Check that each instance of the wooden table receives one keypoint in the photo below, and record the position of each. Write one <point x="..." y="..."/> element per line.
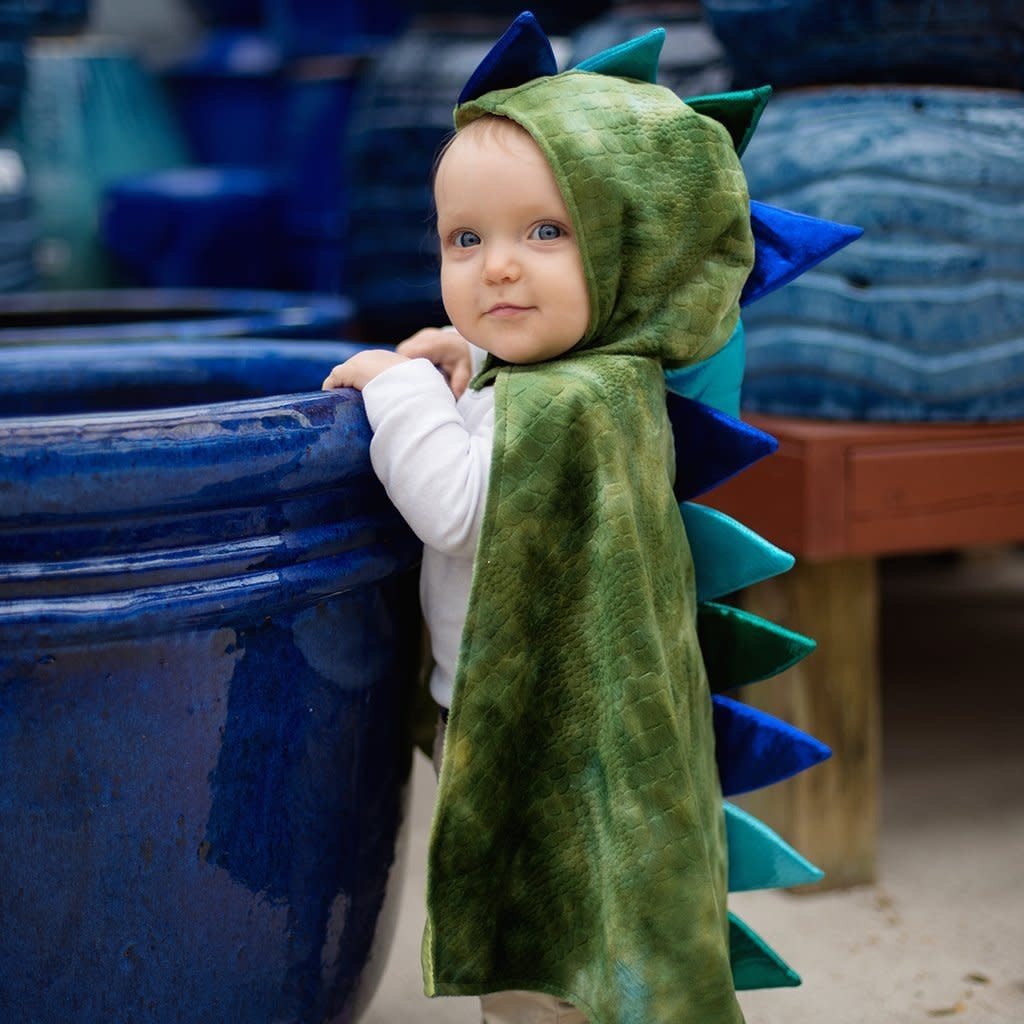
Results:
<point x="839" y="495"/>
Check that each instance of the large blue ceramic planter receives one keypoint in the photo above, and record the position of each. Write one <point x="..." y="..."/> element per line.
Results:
<point x="138" y="314"/>
<point x="207" y="626"/>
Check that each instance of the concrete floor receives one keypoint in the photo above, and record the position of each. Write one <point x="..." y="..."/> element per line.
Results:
<point x="942" y="934"/>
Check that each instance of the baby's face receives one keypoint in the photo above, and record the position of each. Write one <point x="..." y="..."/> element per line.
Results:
<point x="511" y="274"/>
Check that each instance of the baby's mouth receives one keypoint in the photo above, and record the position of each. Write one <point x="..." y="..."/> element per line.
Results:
<point x="505" y="309"/>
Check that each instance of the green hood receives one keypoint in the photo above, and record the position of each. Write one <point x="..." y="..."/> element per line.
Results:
<point x="662" y="215"/>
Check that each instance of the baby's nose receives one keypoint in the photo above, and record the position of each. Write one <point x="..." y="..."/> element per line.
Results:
<point x="501" y="263"/>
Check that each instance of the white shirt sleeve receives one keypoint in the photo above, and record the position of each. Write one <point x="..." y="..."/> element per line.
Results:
<point x="432" y="463"/>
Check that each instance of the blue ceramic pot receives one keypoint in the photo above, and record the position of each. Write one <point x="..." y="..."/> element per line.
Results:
<point x="208" y="623"/>
<point x="789" y="43"/>
<point x="229" y="96"/>
<point x="922" y="318"/>
<point x="197" y="227"/>
<point x="14" y="27"/>
<point x="159" y="314"/>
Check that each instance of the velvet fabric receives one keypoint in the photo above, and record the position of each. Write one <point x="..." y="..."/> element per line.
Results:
<point x="755" y="750"/>
<point x="578" y="845"/>
<point x="716" y="448"/>
<point x="755" y="963"/>
<point x="760" y="858"/>
<point x="741" y="648"/>
<point x="728" y="556"/>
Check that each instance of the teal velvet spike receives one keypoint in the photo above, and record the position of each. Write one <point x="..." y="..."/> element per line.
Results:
<point x="741" y="648"/>
<point x="788" y="244"/>
<point x="521" y="54"/>
<point x="728" y="556"/>
<point x="760" y="858"/>
<point x="714" y="381"/>
<point x="710" y="446"/>
<point x="739" y="112"/>
<point x="754" y="749"/>
<point x="635" y="58"/>
<point x="754" y="963"/>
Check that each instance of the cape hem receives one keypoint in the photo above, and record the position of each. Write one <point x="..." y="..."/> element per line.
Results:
<point x="468" y="988"/>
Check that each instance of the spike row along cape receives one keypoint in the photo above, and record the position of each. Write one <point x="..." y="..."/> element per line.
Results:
<point x="579" y="843"/>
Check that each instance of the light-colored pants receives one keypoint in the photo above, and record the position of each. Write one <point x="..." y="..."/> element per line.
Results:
<point x="528" y="1008"/>
<point x="516" y="1007"/>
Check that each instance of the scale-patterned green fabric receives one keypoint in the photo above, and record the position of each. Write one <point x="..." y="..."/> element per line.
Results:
<point x="578" y="845"/>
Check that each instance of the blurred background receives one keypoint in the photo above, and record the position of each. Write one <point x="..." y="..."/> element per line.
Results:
<point x="279" y="151"/>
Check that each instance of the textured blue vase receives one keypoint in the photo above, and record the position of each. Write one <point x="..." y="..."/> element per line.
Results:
<point x="136" y="314"/>
<point x="208" y="625"/>
<point x="922" y="319"/>
<point x="789" y="43"/>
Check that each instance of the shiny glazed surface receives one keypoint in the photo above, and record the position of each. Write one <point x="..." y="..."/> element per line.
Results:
<point x="208" y="622"/>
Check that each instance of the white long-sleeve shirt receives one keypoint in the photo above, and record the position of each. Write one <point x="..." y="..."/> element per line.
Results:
<point x="433" y="456"/>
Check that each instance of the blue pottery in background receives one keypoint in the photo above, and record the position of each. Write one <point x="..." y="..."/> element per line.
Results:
<point x="17" y="225"/>
<point x="198" y="227"/>
<point x="58" y="17"/>
<point x="313" y="27"/>
<point x="692" y="61"/>
<point x="242" y="13"/>
<point x="14" y="27"/>
<point x="922" y="319"/>
<point x="229" y="96"/>
<point x="160" y="314"/>
<point x="208" y="626"/>
<point x="90" y="115"/>
<point x="315" y="172"/>
<point x="790" y="43"/>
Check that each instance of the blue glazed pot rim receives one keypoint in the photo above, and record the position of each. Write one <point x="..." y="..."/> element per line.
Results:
<point x="217" y="312"/>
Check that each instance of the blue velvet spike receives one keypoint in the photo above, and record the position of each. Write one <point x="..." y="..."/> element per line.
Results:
<point x="715" y="381"/>
<point x="754" y="750"/>
<point x="711" y="447"/>
<point x="521" y="54"/>
<point x="727" y="555"/>
<point x="741" y="648"/>
<point x="737" y="112"/>
<point x="754" y="963"/>
<point x="635" y="58"/>
<point x="760" y="858"/>
<point x="787" y="244"/>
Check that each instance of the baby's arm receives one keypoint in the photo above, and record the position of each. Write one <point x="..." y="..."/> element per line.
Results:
<point x="432" y="466"/>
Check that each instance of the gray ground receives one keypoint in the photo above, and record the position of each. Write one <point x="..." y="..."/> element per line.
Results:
<point x="942" y="934"/>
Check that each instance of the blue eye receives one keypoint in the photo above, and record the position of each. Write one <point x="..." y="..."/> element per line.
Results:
<point x="547" y="232"/>
<point x="465" y="239"/>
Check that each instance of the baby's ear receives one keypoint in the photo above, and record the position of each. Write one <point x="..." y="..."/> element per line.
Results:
<point x="520" y="55"/>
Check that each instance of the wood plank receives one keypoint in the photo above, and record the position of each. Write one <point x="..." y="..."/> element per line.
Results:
<point x="829" y="813"/>
<point x="836" y="489"/>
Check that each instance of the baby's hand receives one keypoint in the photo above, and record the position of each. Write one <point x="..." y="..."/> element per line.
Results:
<point x="446" y="349"/>
<point x="358" y="371"/>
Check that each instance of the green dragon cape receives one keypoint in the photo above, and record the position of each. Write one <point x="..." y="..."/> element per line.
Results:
<point x="578" y="844"/>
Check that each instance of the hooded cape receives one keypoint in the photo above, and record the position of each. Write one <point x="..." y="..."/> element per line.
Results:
<point x="578" y="845"/>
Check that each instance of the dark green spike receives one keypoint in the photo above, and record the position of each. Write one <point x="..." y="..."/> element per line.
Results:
<point x="635" y="58"/>
<point x="754" y="963"/>
<point x="741" y="648"/>
<point x="739" y="112"/>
